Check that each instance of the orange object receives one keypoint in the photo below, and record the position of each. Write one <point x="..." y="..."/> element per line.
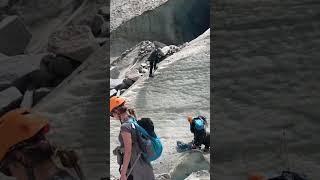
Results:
<point x="190" y="119"/>
<point x="116" y="101"/>
<point x="19" y="125"/>
<point x="256" y="177"/>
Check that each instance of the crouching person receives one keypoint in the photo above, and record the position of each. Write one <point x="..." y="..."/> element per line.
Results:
<point x="201" y="136"/>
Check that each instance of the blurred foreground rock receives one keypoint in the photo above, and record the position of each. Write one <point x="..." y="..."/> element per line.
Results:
<point x="75" y="42"/>
<point x="14" y="36"/>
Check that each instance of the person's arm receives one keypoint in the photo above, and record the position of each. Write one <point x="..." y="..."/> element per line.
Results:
<point x="126" y="136"/>
<point x="192" y="126"/>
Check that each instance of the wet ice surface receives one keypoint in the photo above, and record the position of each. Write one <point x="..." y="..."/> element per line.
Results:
<point x="180" y="88"/>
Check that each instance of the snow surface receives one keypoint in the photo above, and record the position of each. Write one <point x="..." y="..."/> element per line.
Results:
<point x="181" y="87"/>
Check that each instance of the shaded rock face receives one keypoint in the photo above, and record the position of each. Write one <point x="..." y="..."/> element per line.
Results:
<point x="75" y="42"/>
<point x="174" y="22"/>
<point x="96" y="24"/>
<point x="76" y="108"/>
<point x="122" y="11"/>
<point x="14" y="36"/>
<point x="9" y="98"/>
<point x="39" y="94"/>
<point x="266" y="78"/>
<point x="13" y="68"/>
<point x="33" y="11"/>
<point x="58" y="65"/>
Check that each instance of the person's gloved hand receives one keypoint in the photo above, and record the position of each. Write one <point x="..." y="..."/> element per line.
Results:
<point x="194" y="146"/>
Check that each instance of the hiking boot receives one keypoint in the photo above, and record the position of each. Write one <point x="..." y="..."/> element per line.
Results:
<point x="150" y="75"/>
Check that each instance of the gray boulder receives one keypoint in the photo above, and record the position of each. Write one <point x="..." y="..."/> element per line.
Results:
<point x="58" y="65"/>
<point x="105" y="29"/>
<point x="104" y="11"/>
<point x="39" y="94"/>
<point x="113" y="92"/>
<point x="9" y="98"/>
<point x="96" y="24"/>
<point x="128" y="82"/>
<point x="4" y="4"/>
<point x="134" y="75"/>
<point x="2" y="55"/>
<point x="75" y="42"/>
<point x="115" y="83"/>
<point x="14" y="36"/>
<point x="27" y="100"/>
<point x="114" y="72"/>
<point x="15" y="67"/>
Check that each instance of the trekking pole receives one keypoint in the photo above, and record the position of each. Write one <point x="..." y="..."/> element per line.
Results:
<point x="135" y="162"/>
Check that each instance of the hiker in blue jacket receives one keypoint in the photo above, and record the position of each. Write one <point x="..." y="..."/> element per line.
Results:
<point x="198" y="128"/>
<point x="133" y="166"/>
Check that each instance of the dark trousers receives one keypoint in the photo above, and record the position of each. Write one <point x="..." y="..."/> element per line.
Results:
<point x="199" y="137"/>
<point x="153" y="65"/>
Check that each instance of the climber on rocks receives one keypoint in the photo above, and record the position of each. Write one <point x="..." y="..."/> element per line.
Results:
<point x="198" y="128"/>
<point x="155" y="57"/>
<point x="25" y="152"/>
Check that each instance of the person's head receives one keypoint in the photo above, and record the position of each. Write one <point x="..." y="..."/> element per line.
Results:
<point x="117" y="107"/>
<point x="189" y="118"/>
<point x="159" y="52"/>
<point x="23" y="145"/>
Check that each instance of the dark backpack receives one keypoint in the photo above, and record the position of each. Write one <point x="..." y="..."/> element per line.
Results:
<point x="147" y="124"/>
<point x="148" y="141"/>
<point x="199" y="123"/>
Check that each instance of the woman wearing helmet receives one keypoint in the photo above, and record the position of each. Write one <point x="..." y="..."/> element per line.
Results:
<point x="133" y="166"/>
<point x="25" y="153"/>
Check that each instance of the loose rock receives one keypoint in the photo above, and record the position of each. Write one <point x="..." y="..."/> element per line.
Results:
<point x="14" y="36"/>
<point x="16" y="67"/>
<point x="58" y="65"/>
<point x="75" y="42"/>
<point x="96" y="24"/>
<point x="39" y="94"/>
<point x="9" y="98"/>
<point x="27" y="100"/>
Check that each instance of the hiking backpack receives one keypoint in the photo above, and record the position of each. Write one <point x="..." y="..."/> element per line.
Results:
<point x="148" y="141"/>
<point x="199" y="123"/>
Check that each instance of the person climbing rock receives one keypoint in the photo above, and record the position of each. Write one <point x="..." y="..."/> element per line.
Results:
<point x="154" y="58"/>
<point x="132" y="165"/>
<point x="198" y="128"/>
<point x="285" y="175"/>
<point x="25" y="152"/>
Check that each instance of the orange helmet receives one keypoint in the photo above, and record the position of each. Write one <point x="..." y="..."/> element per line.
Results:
<point x="18" y="125"/>
<point x="116" y="101"/>
<point x="189" y="119"/>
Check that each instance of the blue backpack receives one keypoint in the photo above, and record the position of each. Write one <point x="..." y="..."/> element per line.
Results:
<point x="199" y="123"/>
<point x="148" y="141"/>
